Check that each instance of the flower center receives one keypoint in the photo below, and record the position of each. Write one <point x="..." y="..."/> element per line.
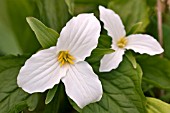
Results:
<point x="122" y="42"/>
<point x="64" y="57"/>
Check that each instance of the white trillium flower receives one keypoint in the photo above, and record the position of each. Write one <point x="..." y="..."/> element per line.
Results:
<point x="65" y="62"/>
<point x="141" y="43"/>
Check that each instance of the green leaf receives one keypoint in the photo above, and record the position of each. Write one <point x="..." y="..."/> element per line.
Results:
<point x="19" y="107"/>
<point x="32" y="102"/>
<point x="70" y="4"/>
<point x="131" y="58"/>
<point x="12" y="98"/>
<point x="102" y="51"/>
<point x="135" y="28"/>
<point x="53" y="13"/>
<point x="122" y="91"/>
<point x="46" y="36"/>
<point x="60" y="103"/>
<point x="74" y="105"/>
<point x="157" y="106"/>
<point x="51" y="94"/>
<point x="155" y="70"/>
<point x="104" y="42"/>
<point x="98" y="53"/>
<point x="131" y="12"/>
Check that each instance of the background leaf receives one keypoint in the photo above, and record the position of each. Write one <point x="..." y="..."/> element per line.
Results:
<point x="131" y="58"/>
<point x="50" y="95"/>
<point x="157" y="106"/>
<point x="155" y="70"/>
<point x="53" y="13"/>
<point x="98" y="53"/>
<point x="70" y="4"/>
<point x="46" y="36"/>
<point x="12" y="98"/>
<point x="60" y="103"/>
<point x="135" y="28"/>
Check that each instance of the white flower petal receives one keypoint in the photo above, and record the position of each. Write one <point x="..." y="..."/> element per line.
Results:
<point x="112" y="23"/>
<point x="40" y="72"/>
<point x="80" y="36"/>
<point x="144" y="44"/>
<point x="82" y="84"/>
<point x="111" y="61"/>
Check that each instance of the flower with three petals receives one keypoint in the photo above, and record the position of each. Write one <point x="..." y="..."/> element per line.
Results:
<point x="141" y="43"/>
<point x="66" y="62"/>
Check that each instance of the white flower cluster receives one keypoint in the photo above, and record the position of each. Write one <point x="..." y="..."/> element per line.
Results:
<point x="66" y="60"/>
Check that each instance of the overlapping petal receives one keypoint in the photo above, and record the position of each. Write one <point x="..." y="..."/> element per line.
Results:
<point x="80" y="36"/>
<point x="82" y="84"/>
<point x="40" y="72"/>
<point x="111" y="61"/>
<point x="112" y="23"/>
<point x="144" y="44"/>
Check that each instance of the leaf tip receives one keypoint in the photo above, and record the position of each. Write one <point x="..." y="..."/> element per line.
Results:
<point x="28" y="18"/>
<point x="47" y="101"/>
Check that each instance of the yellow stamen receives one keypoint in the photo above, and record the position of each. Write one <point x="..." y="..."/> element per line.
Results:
<point x="60" y="60"/>
<point x="60" y="55"/>
<point x="122" y="42"/>
<point x="62" y="63"/>
<point x="70" y="61"/>
<point x="71" y="57"/>
<point x="64" y="57"/>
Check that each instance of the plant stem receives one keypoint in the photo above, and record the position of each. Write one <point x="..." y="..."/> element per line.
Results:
<point x="159" y="16"/>
<point x="160" y="32"/>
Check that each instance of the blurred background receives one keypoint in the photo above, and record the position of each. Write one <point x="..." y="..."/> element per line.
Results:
<point x="16" y="37"/>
